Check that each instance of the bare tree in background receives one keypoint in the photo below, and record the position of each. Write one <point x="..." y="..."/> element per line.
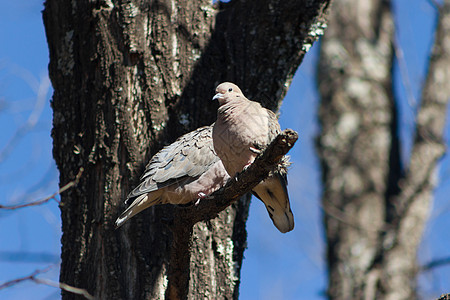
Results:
<point x="131" y="76"/>
<point x="375" y="209"/>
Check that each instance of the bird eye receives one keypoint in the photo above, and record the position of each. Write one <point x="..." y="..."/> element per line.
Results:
<point x="230" y="89"/>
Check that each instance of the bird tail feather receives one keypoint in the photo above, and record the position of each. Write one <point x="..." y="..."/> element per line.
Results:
<point x="139" y="204"/>
<point x="273" y="193"/>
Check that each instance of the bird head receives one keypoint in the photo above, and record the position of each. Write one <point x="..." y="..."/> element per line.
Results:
<point x="226" y="92"/>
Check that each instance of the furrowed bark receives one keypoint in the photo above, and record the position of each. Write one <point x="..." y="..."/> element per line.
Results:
<point x="412" y="206"/>
<point x="374" y="210"/>
<point x="358" y="143"/>
<point x="130" y="77"/>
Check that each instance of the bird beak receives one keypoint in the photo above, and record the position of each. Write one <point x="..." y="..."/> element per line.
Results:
<point x="217" y="96"/>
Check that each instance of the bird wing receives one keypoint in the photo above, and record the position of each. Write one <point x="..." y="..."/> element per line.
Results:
<point x="273" y="193"/>
<point x="274" y="126"/>
<point x="188" y="157"/>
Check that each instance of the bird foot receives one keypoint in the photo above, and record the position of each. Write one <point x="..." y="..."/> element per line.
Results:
<point x="254" y="150"/>
<point x="246" y="166"/>
<point x="201" y="196"/>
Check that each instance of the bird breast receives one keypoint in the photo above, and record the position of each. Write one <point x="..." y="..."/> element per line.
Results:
<point x="237" y="129"/>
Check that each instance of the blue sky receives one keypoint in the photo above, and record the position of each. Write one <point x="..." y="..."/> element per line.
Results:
<point x="276" y="266"/>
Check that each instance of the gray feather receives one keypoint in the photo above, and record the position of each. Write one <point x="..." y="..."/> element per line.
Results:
<point x="187" y="158"/>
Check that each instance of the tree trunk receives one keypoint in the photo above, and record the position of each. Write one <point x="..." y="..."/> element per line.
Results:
<point x="130" y="77"/>
<point x="374" y="210"/>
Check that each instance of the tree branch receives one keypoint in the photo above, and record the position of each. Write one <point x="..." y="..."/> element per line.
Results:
<point x="413" y="204"/>
<point x="245" y="181"/>
<point x="428" y="147"/>
<point x="193" y="46"/>
<point x="436" y="263"/>
<point x="61" y="285"/>
<point x="51" y="197"/>
<point x="236" y="187"/>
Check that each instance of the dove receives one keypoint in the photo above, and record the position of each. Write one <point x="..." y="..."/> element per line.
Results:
<point x="242" y="130"/>
<point x="183" y="172"/>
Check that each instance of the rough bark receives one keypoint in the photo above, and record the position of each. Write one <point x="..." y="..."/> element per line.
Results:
<point x="358" y="140"/>
<point x="131" y="76"/>
<point x="444" y="297"/>
<point x="410" y="209"/>
<point x="374" y="210"/>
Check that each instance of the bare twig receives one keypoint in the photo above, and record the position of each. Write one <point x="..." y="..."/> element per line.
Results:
<point x="29" y="277"/>
<point x="51" y="197"/>
<point x="33" y="277"/>
<point x="436" y="263"/>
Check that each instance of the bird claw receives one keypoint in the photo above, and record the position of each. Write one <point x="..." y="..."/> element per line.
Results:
<point x="254" y="150"/>
<point x="201" y="196"/>
<point x="246" y="166"/>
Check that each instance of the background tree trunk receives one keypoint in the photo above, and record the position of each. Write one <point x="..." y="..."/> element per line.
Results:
<point x="374" y="209"/>
<point x="130" y="77"/>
